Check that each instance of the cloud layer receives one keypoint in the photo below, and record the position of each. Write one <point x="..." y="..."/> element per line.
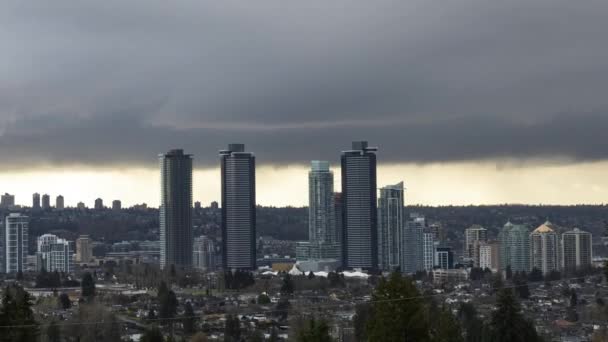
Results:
<point x="116" y="82"/>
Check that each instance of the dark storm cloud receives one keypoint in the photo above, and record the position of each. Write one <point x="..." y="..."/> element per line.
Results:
<point x="116" y="82"/>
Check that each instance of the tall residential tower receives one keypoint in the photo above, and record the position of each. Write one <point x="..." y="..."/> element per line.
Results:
<point x="176" y="209"/>
<point x="322" y="232"/>
<point x="238" y="208"/>
<point x="390" y="226"/>
<point x="360" y="242"/>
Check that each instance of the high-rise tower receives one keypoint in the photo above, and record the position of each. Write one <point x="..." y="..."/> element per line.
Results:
<point x="15" y="242"/>
<point x="360" y="242"/>
<point x="515" y="248"/>
<point x="36" y="201"/>
<point x="176" y="209"/>
<point x="46" y="202"/>
<point x="544" y="249"/>
<point x="322" y="233"/>
<point x="390" y="226"/>
<point x="59" y="202"/>
<point x="238" y="208"/>
<point x="577" y="250"/>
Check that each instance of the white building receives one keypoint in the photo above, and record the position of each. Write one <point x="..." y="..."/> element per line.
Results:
<point x="15" y="242"/>
<point x="485" y="256"/>
<point x="428" y="250"/>
<point x="203" y="254"/>
<point x="55" y="254"/>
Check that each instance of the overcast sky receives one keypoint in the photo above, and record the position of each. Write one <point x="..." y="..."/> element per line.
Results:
<point x="113" y="83"/>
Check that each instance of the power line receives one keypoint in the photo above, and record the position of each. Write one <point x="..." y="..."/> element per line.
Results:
<point x="149" y="320"/>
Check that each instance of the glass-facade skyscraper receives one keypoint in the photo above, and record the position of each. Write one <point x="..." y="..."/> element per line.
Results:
<point x="238" y="208"/>
<point x="359" y="201"/>
<point x="390" y="226"/>
<point x="515" y="248"/>
<point x="176" y="209"/>
<point x="322" y="229"/>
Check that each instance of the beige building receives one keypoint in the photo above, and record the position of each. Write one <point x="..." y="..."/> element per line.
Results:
<point x="544" y="249"/>
<point x="84" y="249"/>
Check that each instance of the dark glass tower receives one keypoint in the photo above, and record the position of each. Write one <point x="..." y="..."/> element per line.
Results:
<point x="238" y="208"/>
<point x="176" y="209"/>
<point x="360" y="242"/>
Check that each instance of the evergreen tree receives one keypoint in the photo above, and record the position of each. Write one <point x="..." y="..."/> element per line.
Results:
<point x="64" y="301"/>
<point x="199" y="337"/>
<point x="311" y="275"/>
<point x="17" y="310"/>
<point x="53" y="333"/>
<point x="446" y="328"/>
<point x="472" y="325"/>
<point x="189" y="319"/>
<point x="168" y="302"/>
<point x="232" y="329"/>
<point x="508" y="324"/>
<point x="315" y="331"/>
<point x="362" y="312"/>
<point x="521" y="285"/>
<point x="151" y="315"/>
<point x="88" y="285"/>
<point x="397" y="313"/>
<point x="274" y="336"/>
<point x="256" y="336"/>
<point x="288" y="286"/>
<point x="263" y="299"/>
<point x="152" y="335"/>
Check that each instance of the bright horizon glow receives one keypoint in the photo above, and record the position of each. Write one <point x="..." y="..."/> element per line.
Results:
<point x="466" y="183"/>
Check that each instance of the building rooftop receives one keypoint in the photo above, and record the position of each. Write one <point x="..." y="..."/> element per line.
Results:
<point x="544" y="228"/>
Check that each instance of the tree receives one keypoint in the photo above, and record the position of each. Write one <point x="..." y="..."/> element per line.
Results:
<point x="288" y="286"/>
<point x="507" y="323"/>
<point x="64" y="301"/>
<point x="189" y="319"/>
<point x="311" y="275"/>
<point x="521" y="285"/>
<point x="473" y="326"/>
<point x="282" y="309"/>
<point x="152" y="335"/>
<point x="263" y="299"/>
<point x="256" y="336"/>
<point x="315" y="331"/>
<point x="199" y="337"/>
<point x="17" y="310"/>
<point x="168" y="302"/>
<point x="88" y="285"/>
<point x="335" y="279"/>
<point x="151" y="315"/>
<point x="52" y="332"/>
<point x="274" y="336"/>
<point x="397" y="312"/>
<point x="362" y="313"/>
<point x="446" y="328"/>
<point x="232" y="329"/>
<point x="573" y="299"/>
<point x="509" y="272"/>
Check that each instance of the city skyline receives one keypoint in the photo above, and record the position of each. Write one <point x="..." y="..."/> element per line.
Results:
<point x="429" y="184"/>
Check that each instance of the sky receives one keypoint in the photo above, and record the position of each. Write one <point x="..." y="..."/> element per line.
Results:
<point x="468" y="101"/>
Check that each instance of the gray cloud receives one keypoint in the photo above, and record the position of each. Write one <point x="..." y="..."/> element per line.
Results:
<point x="116" y="82"/>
